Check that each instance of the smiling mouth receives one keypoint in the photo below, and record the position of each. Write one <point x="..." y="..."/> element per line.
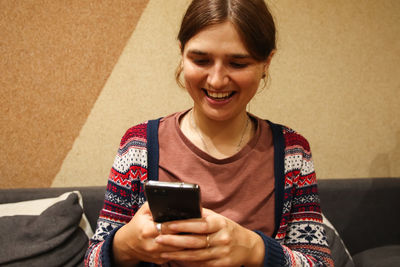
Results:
<point x="218" y="95"/>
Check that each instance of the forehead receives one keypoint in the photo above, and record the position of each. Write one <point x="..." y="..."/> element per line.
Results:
<point x="221" y="38"/>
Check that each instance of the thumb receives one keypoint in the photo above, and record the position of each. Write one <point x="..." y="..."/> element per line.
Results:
<point x="207" y="212"/>
<point x="144" y="209"/>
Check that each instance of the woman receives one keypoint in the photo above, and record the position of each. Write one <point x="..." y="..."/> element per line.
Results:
<point x="259" y="195"/>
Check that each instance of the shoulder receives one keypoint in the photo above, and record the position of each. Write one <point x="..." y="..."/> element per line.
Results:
<point x="298" y="163"/>
<point x="140" y="131"/>
<point x="293" y="139"/>
<point x="137" y="132"/>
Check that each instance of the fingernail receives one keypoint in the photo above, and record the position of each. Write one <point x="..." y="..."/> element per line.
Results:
<point x="158" y="239"/>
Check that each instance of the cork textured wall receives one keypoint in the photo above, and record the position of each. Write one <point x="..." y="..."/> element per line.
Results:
<point x="76" y="74"/>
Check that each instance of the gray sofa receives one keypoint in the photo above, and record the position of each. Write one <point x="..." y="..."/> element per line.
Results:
<point x="365" y="213"/>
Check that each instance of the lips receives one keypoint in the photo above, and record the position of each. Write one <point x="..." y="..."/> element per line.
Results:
<point x="219" y="96"/>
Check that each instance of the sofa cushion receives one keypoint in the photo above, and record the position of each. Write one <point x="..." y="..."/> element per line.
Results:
<point x="45" y="232"/>
<point x="340" y="254"/>
<point x="363" y="211"/>
<point x="378" y="257"/>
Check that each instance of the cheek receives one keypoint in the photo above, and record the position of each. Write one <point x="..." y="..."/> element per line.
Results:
<point x="247" y="81"/>
<point x="192" y="74"/>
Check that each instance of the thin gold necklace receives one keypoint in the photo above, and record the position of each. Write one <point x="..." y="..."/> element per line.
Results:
<point x="194" y="126"/>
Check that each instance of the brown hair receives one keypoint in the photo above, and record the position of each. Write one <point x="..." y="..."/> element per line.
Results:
<point x="251" y="19"/>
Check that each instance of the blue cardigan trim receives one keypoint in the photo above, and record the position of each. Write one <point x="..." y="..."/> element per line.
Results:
<point x="152" y="149"/>
<point x="279" y="171"/>
<point x="106" y="250"/>
<point x="274" y="256"/>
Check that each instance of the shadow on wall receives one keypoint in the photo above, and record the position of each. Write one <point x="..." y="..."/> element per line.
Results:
<point x="387" y="164"/>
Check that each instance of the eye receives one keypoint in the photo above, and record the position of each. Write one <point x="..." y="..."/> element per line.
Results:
<point x="201" y="62"/>
<point x="237" y="65"/>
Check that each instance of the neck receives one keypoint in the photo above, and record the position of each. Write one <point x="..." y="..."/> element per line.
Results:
<point x="220" y="139"/>
<point x="225" y="129"/>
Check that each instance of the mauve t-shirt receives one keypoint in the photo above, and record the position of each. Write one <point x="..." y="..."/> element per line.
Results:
<point x="240" y="187"/>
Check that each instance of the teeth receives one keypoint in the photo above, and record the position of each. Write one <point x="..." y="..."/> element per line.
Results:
<point x="219" y="94"/>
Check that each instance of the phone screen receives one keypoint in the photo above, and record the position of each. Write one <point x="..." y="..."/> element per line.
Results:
<point x="170" y="201"/>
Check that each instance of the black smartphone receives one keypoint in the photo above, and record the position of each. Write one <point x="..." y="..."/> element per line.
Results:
<point x="170" y="201"/>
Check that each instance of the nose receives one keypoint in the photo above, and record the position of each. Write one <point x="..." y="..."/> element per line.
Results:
<point x="218" y="77"/>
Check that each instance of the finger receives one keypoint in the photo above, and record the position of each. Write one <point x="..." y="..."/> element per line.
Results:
<point x="164" y="229"/>
<point x="192" y="255"/>
<point x="148" y="228"/>
<point x="195" y="226"/>
<point x="210" y="224"/>
<point x="184" y="241"/>
<point x="217" y="262"/>
<point x="151" y="247"/>
<point x="153" y="253"/>
<point x="158" y="227"/>
<point x="160" y="248"/>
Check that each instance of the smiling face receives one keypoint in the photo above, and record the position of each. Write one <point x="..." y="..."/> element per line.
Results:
<point x="220" y="75"/>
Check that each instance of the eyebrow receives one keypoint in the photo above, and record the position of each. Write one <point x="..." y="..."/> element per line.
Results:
<point x="202" y="53"/>
<point x="197" y="52"/>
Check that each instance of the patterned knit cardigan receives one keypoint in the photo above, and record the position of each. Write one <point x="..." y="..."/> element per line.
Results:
<point x="299" y="238"/>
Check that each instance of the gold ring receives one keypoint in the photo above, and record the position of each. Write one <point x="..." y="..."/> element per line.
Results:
<point x="208" y="241"/>
<point x="159" y="226"/>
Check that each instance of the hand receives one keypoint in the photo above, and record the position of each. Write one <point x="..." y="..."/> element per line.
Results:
<point x="135" y="241"/>
<point x="214" y="241"/>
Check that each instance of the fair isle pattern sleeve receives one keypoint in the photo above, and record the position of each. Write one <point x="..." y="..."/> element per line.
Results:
<point x="301" y="232"/>
<point x="124" y="194"/>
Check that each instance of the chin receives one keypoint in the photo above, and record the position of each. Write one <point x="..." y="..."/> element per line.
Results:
<point x="220" y="115"/>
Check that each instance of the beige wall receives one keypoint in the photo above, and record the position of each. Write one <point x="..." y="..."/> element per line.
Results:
<point x="75" y="76"/>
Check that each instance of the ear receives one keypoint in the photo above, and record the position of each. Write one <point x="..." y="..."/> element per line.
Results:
<point x="180" y="48"/>
<point x="268" y="61"/>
